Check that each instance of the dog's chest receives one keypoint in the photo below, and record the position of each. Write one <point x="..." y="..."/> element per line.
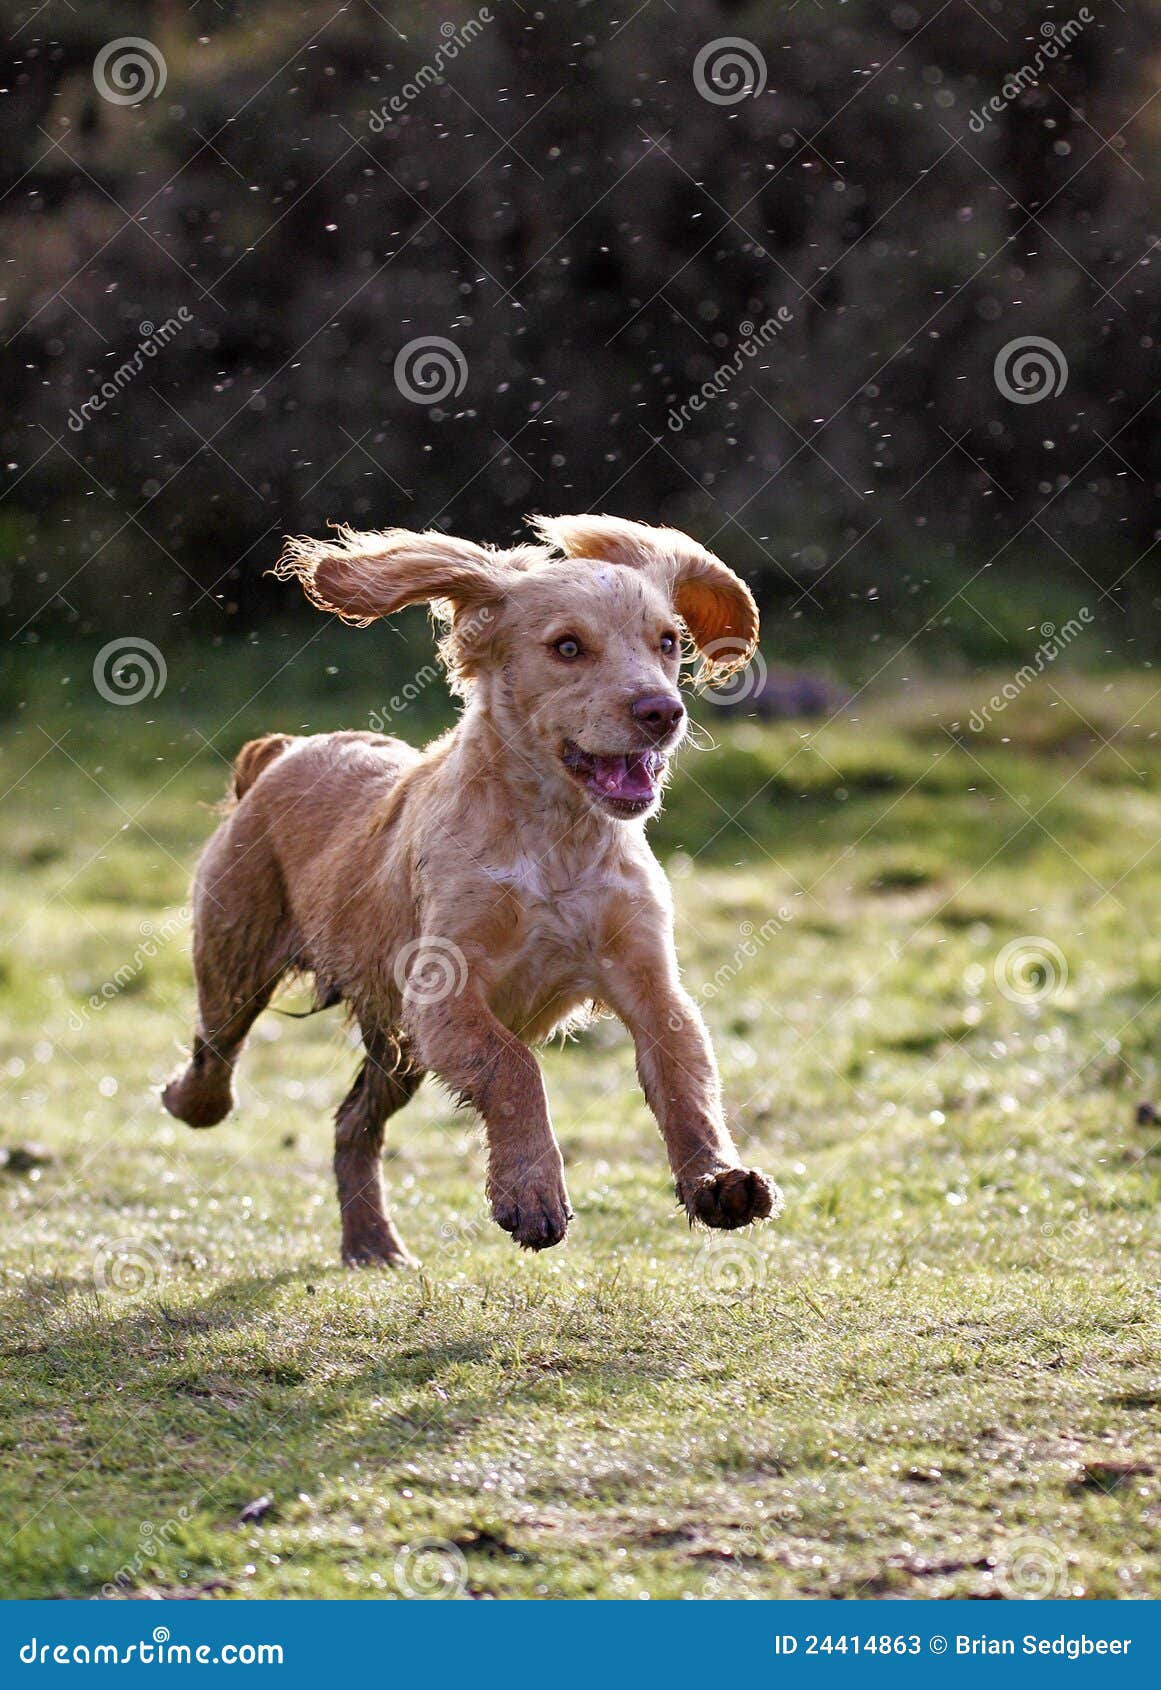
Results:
<point x="562" y="904"/>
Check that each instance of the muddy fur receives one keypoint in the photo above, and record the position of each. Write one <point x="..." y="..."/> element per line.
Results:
<point x="469" y="900"/>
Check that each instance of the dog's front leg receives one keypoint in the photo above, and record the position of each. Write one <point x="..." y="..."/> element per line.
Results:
<point x="679" y="1076"/>
<point x="473" y="1053"/>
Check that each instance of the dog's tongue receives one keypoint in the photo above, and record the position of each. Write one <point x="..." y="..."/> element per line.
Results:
<point x="624" y="777"/>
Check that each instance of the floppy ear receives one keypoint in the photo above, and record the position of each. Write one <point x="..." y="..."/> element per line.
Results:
<point x="715" y="604"/>
<point x="364" y="576"/>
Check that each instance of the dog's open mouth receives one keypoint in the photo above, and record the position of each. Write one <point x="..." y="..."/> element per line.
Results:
<point x="624" y="783"/>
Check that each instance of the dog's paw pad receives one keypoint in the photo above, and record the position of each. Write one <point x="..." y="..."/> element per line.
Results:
<point x="733" y="1198"/>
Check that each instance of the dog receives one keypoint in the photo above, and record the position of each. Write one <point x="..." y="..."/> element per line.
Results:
<point x="469" y="900"/>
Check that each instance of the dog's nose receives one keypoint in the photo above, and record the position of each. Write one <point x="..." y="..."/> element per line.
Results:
<point x="660" y="712"/>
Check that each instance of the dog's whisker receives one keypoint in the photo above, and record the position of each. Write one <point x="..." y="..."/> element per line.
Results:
<point x="699" y="737"/>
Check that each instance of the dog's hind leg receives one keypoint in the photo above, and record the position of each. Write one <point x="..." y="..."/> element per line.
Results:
<point x="243" y="945"/>
<point x="384" y="1084"/>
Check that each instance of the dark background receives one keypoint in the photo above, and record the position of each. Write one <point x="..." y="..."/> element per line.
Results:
<point x="591" y="233"/>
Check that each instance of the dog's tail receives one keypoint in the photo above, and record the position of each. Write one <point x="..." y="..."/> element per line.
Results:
<point x="254" y="757"/>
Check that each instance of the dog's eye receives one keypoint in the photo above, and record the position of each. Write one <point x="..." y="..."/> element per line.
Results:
<point x="668" y="643"/>
<point x="569" y="647"/>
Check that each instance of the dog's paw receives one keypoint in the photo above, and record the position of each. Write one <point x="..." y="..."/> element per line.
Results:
<point x="536" y="1219"/>
<point x="199" y="1096"/>
<point x="734" y="1197"/>
<point x="368" y="1253"/>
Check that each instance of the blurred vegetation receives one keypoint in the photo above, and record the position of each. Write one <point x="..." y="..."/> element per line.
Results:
<point x="592" y="234"/>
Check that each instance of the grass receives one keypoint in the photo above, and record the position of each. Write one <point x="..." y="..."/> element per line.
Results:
<point x="937" y="1375"/>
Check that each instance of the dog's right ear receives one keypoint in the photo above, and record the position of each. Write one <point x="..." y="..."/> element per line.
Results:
<point x="364" y="576"/>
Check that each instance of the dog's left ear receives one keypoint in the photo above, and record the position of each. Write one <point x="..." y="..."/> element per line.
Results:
<point x="715" y="604"/>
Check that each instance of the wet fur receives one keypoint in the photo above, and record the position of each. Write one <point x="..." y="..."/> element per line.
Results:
<point x="469" y="900"/>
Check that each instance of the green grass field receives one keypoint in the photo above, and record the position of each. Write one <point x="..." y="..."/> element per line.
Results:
<point x="937" y="1375"/>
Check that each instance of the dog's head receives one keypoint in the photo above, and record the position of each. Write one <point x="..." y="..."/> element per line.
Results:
<point x="573" y="647"/>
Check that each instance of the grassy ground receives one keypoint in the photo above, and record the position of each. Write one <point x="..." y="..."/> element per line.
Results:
<point x="938" y="1375"/>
